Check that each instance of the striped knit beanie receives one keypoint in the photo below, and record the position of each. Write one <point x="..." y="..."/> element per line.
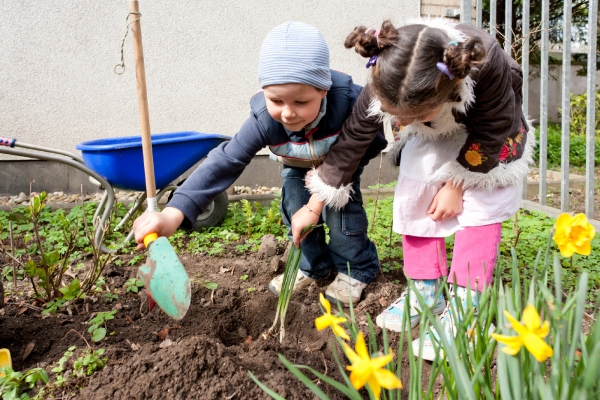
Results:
<point x="294" y="52"/>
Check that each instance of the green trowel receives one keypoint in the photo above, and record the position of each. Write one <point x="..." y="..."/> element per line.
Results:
<point x="163" y="275"/>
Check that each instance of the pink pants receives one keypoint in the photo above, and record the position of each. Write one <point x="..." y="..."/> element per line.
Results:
<point x="473" y="260"/>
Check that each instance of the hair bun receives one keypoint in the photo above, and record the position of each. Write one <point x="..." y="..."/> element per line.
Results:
<point x="462" y="57"/>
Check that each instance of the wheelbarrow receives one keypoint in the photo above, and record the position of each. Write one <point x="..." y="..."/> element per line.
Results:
<point x="118" y="163"/>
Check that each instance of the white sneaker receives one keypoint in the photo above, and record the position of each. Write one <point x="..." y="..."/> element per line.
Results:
<point x="449" y="321"/>
<point x="392" y="316"/>
<point x="302" y="281"/>
<point x="344" y="289"/>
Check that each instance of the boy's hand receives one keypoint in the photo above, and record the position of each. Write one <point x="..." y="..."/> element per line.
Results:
<point x="304" y="217"/>
<point x="163" y="223"/>
<point x="447" y="203"/>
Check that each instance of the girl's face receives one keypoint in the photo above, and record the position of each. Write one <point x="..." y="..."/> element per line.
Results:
<point x="407" y="117"/>
<point x="294" y="105"/>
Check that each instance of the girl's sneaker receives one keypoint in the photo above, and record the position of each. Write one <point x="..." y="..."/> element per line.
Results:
<point x="302" y="281"/>
<point x="448" y="322"/>
<point x="392" y="317"/>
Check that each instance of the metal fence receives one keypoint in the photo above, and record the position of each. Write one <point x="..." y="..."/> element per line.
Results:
<point x="544" y="45"/>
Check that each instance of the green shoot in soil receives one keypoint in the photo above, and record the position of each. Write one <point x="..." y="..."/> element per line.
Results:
<point x="289" y="277"/>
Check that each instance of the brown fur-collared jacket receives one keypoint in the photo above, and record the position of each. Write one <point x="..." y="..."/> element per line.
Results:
<point x="497" y="149"/>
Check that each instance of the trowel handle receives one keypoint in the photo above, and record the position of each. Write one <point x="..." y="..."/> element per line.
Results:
<point x="140" y="73"/>
<point x="149" y="238"/>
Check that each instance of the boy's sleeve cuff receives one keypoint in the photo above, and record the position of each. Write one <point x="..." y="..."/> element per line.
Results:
<point x="189" y="209"/>
<point x="333" y="197"/>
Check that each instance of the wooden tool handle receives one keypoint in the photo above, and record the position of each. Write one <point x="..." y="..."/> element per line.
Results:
<point x="142" y="95"/>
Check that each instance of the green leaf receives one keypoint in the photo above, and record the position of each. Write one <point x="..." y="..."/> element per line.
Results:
<point x="99" y="334"/>
<point x="51" y="258"/>
<point x="265" y="388"/>
<point x="72" y="291"/>
<point x="211" y="285"/>
<point x="303" y="378"/>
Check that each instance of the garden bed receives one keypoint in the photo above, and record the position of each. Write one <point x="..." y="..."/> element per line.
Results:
<point x="212" y="348"/>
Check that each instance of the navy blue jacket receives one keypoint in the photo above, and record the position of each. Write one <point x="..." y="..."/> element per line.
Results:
<point x="225" y="163"/>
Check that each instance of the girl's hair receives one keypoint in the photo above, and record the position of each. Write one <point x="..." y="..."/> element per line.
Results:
<point x="405" y="74"/>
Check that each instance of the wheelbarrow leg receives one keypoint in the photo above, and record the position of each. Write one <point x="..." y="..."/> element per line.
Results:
<point x="133" y="209"/>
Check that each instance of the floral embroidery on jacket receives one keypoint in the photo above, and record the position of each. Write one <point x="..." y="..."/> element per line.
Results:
<point x="474" y="155"/>
<point x="509" y="148"/>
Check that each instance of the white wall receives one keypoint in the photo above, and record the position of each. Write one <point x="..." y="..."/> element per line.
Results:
<point x="58" y="88"/>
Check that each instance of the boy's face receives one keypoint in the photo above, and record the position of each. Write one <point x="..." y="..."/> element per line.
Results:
<point x="294" y="105"/>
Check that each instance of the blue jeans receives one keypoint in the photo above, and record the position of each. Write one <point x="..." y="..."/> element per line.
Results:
<point x="348" y="241"/>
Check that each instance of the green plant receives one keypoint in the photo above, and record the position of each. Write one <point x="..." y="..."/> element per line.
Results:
<point x="577" y="148"/>
<point x="242" y="248"/>
<point x="211" y="285"/>
<point x="110" y="297"/>
<point x="567" y="367"/>
<point x="89" y="362"/>
<point x="251" y="289"/>
<point x="578" y="113"/>
<point x="13" y="382"/>
<point x="248" y="214"/>
<point x="60" y="367"/>
<point x="73" y="291"/>
<point x="96" y="329"/>
<point x="136" y="260"/>
<point x="133" y="285"/>
<point x="53" y="240"/>
<point x="244" y="277"/>
<point x="289" y="277"/>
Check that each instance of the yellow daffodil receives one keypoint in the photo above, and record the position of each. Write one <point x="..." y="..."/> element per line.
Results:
<point x="327" y="320"/>
<point x="530" y="335"/>
<point x="573" y="234"/>
<point x="366" y="370"/>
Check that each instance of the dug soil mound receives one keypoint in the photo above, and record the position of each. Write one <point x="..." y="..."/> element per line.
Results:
<point x="208" y="353"/>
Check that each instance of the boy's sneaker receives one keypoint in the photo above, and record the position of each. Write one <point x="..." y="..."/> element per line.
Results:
<point x="302" y="281"/>
<point x="448" y="322"/>
<point x="344" y="289"/>
<point x="392" y="316"/>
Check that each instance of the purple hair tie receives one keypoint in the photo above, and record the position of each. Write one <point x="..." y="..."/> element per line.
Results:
<point x="445" y="70"/>
<point x="372" y="61"/>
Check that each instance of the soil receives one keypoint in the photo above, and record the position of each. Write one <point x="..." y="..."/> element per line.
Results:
<point x="209" y="352"/>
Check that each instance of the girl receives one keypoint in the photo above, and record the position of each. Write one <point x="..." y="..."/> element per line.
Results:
<point x="298" y="115"/>
<point x="463" y="150"/>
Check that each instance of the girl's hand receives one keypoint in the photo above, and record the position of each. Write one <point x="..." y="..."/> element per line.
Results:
<point x="306" y="215"/>
<point x="447" y="203"/>
<point x="163" y="223"/>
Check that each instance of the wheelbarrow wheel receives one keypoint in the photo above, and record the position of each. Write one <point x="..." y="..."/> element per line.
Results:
<point x="214" y="214"/>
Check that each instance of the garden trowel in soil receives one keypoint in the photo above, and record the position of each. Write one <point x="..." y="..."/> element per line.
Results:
<point x="5" y="360"/>
<point x="163" y="275"/>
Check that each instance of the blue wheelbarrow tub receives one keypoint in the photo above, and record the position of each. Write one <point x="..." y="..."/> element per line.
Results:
<point x="120" y="160"/>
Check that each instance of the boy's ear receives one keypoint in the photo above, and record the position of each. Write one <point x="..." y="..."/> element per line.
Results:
<point x="324" y="94"/>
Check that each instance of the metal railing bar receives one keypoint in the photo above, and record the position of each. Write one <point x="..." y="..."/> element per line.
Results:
<point x="508" y="27"/>
<point x="525" y="68"/>
<point x="493" y="18"/>
<point x="566" y="107"/>
<point x="543" y="145"/>
<point x="590" y="130"/>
